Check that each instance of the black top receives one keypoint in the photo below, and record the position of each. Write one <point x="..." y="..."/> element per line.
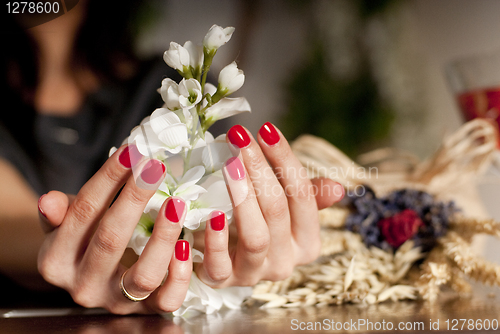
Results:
<point x="73" y="148"/>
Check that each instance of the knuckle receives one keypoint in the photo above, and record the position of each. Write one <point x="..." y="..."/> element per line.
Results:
<point x="278" y="210"/>
<point x="145" y="283"/>
<point x="302" y="192"/>
<point x="219" y="275"/>
<point x="50" y="271"/>
<point x="257" y="162"/>
<point x="108" y="241"/>
<point x="83" y="209"/>
<point x="136" y="197"/>
<point x="166" y="305"/>
<point x="117" y="308"/>
<point x="255" y="245"/>
<point x="166" y="234"/>
<point x="281" y="274"/>
<point x="114" y="175"/>
<point x="248" y="281"/>
<point x="181" y="280"/>
<point x="82" y="297"/>
<point x="311" y="253"/>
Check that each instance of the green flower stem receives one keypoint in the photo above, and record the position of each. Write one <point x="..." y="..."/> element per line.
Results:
<point x="207" y="62"/>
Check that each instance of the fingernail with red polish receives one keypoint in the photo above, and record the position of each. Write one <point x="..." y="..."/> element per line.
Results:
<point x="130" y="156"/>
<point x="235" y="168"/>
<point x="182" y="250"/>
<point x="40" y="207"/>
<point x="175" y="209"/>
<point x="269" y="134"/>
<point x="152" y="171"/>
<point x="217" y="220"/>
<point x="238" y="136"/>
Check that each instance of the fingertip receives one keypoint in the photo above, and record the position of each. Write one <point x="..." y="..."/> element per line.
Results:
<point x="328" y="192"/>
<point x="52" y="208"/>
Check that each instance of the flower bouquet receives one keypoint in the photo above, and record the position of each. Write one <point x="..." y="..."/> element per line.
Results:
<point x="177" y="134"/>
<point x="404" y="229"/>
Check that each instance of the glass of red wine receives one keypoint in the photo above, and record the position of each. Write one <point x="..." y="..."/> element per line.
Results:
<point x="475" y="81"/>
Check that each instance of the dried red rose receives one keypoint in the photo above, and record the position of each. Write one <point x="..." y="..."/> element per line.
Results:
<point x="400" y="227"/>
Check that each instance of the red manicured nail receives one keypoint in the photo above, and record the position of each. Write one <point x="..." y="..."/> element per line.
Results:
<point x="235" y="168"/>
<point x="238" y="136"/>
<point x="182" y="250"/>
<point x="217" y="220"/>
<point x="152" y="171"/>
<point x="175" y="209"/>
<point x="269" y="134"/>
<point x="40" y="207"/>
<point x="130" y="156"/>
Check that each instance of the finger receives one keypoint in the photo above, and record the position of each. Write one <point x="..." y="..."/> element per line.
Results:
<point x="52" y="208"/>
<point x="170" y="296"/>
<point x="116" y="228"/>
<point x="93" y="200"/>
<point x="327" y="192"/>
<point x="150" y="270"/>
<point x="252" y="231"/>
<point x="298" y="189"/>
<point x="216" y="267"/>
<point x="272" y="201"/>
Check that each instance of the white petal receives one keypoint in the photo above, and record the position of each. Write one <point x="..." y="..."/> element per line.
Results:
<point x="214" y="156"/>
<point x="232" y="297"/>
<point x="190" y="193"/>
<point x="227" y="107"/>
<point x="146" y="140"/>
<point x="210" y="89"/>
<point x="195" y="54"/>
<point x="170" y="93"/>
<point x="162" y="119"/>
<point x="192" y="176"/>
<point x="216" y="197"/>
<point x="174" y="137"/>
<point x="155" y="202"/>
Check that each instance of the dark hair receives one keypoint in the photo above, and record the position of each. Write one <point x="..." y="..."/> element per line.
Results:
<point x="104" y="42"/>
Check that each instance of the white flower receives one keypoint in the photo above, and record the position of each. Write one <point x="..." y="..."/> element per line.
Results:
<point x="177" y="57"/>
<point x="215" y="154"/>
<point x="159" y="133"/>
<point x="216" y="37"/>
<point x="216" y="198"/>
<point x="170" y="94"/>
<point x="189" y="93"/>
<point x="202" y="298"/>
<point x="186" y="188"/>
<point x="231" y="79"/>
<point x="226" y="107"/>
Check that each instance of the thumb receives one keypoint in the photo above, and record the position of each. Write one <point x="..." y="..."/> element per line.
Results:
<point x="52" y="208"/>
<point x="328" y="192"/>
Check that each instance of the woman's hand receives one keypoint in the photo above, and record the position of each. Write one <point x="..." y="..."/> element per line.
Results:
<point x="275" y="218"/>
<point x="275" y="213"/>
<point x="86" y="237"/>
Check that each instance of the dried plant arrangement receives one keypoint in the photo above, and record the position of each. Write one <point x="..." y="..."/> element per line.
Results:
<point x="402" y="233"/>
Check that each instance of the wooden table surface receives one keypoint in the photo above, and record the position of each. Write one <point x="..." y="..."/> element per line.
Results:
<point x="413" y="316"/>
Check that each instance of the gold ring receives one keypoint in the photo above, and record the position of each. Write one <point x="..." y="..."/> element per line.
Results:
<point x="128" y="295"/>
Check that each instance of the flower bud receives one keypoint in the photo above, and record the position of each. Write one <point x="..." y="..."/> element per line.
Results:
<point x="231" y="79"/>
<point x="195" y="55"/>
<point x="170" y="93"/>
<point x="217" y="37"/>
<point x="177" y="57"/>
